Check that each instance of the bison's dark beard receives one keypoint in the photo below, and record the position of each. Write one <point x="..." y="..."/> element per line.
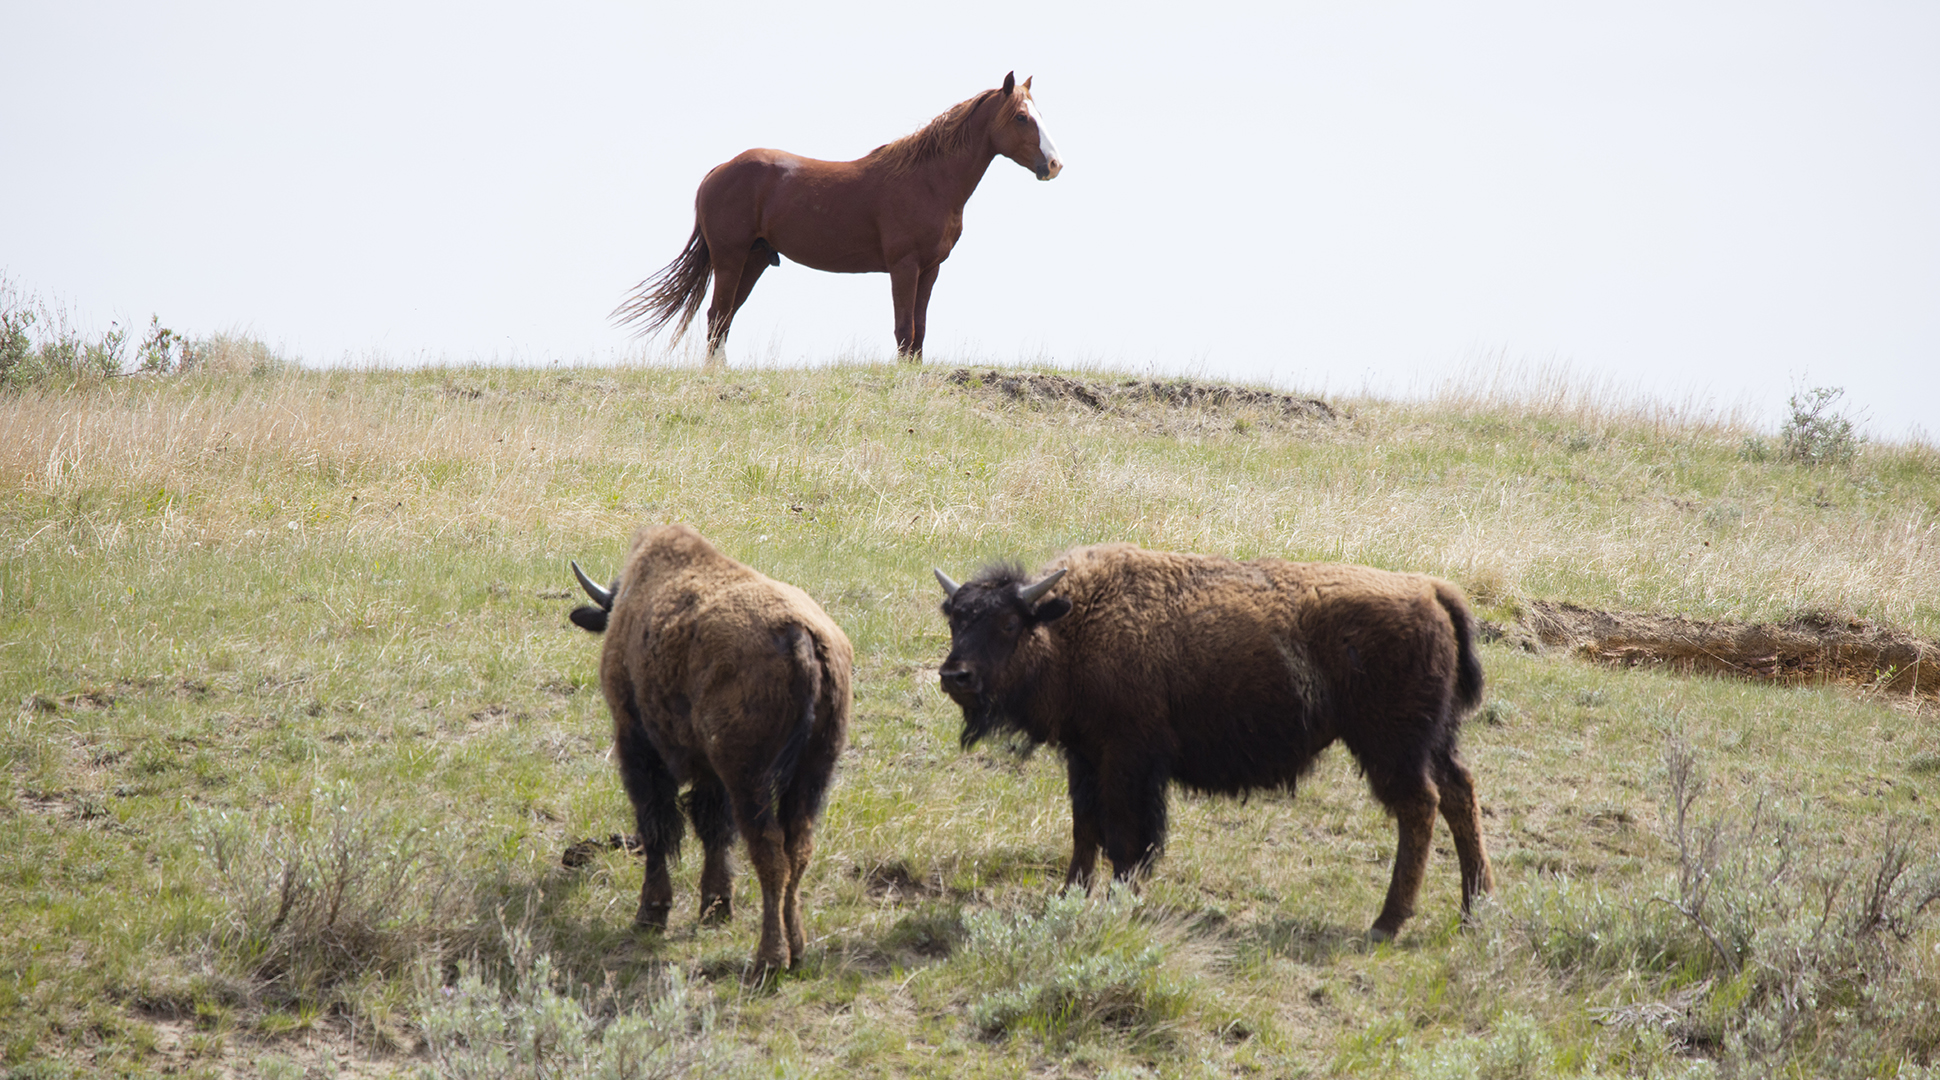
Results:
<point x="986" y="720"/>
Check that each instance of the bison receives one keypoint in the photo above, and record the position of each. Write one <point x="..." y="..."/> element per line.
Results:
<point x="1147" y="668"/>
<point x="737" y="686"/>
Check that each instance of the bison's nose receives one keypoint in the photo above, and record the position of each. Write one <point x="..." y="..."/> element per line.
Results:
<point x="957" y="679"/>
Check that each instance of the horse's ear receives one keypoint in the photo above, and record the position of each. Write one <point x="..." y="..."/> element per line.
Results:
<point x="1010" y="83"/>
<point x="1027" y="84"/>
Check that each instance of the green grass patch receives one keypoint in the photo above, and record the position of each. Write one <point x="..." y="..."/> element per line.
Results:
<point x="294" y="733"/>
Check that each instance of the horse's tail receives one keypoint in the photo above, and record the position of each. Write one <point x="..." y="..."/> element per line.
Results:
<point x="671" y="296"/>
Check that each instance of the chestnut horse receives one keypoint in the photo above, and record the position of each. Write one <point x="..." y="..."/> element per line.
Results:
<point x="897" y="210"/>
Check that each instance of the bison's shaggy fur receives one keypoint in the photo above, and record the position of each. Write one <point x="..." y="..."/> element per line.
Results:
<point x="1147" y="668"/>
<point x="737" y="686"/>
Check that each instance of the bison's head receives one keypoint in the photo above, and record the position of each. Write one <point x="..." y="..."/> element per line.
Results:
<point x="586" y="616"/>
<point x="993" y="618"/>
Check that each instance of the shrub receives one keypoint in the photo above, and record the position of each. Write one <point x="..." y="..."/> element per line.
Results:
<point x="530" y="1023"/>
<point x="1516" y="1048"/>
<point x="1816" y="433"/>
<point x="164" y="351"/>
<point x="1076" y="967"/>
<point x="1768" y="948"/>
<point x="322" y="893"/>
<point x="38" y="344"/>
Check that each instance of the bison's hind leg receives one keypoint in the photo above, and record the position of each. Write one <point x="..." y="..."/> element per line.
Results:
<point x="707" y="808"/>
<point x="800" y="845"/>
<point x="1463" y="812"/>
<point x="656" y="813"/>
<point x="1412" y="798"/>
<point x="768" y="854"/>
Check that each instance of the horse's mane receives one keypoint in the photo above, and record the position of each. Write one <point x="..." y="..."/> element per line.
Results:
<point x="947" y="134"/>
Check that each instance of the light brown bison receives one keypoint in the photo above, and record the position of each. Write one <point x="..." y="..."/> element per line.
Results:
<point x="737" y="686"/>
<point x="1147" y="668"/>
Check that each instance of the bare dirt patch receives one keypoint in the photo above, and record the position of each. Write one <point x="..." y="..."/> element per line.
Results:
<point x="1808" y="650"/>
<point x="897" y="880"/>
<point x="1101" y="396"/>
<point x="581" y="852"/>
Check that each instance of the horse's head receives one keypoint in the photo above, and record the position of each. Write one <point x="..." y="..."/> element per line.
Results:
<point x="1018" y="131"/>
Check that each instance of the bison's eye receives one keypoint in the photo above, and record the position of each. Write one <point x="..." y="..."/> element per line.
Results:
<point x="1012" y="624"/>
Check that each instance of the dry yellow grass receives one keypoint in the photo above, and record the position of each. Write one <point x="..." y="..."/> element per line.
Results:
<point x="1538" y="494"/>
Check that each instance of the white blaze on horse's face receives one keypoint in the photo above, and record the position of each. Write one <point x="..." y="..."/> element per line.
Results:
<point x="1053" y="164"/>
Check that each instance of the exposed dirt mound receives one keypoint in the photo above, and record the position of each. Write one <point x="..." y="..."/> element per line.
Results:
<point x="1103" y="396"/>
<point x="1805" y="650"/>
<point x="585" y="851"/>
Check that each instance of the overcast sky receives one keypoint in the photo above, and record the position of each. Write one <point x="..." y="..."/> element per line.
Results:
<point x="1726" y="200"/>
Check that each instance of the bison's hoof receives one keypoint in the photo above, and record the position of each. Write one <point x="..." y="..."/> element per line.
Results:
<point x="765" y="970"/>
<point x="651" y="917"/>
<point x="716" y="911"/>
<point x="1379" y="935"/>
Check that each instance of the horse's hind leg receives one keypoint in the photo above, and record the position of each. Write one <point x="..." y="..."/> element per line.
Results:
<point x="1463" y="812"/>
<point x="760" y="258"/>
<point x="734" y="276"/>
<point x="720" y="312"/>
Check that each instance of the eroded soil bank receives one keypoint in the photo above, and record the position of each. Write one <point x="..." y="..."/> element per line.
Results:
<point x="1809" y="649"/>
<point x="1103" y="395"/>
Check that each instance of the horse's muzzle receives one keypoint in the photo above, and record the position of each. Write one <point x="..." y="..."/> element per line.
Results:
<point x="1046" y="170"/>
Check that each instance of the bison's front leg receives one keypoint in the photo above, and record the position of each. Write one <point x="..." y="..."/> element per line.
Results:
<point x="656" y="814"/>
<point x="1414" y="816"/>
<point x="1086" y="834"/>
<point x="1132" y="800"/>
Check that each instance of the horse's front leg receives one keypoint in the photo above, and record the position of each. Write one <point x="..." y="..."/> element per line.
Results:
<point x="924" y="283"/>
<point x="905" y="281"/>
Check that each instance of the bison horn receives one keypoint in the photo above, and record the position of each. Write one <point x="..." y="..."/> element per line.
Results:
<point x="1031" y="594"/>
<point x="594" y="589"/>
<point x="949" y="587"/>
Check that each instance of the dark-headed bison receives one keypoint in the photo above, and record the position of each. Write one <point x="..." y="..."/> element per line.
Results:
<point x="737" y="686"/>
<point x="1147" y="667"/>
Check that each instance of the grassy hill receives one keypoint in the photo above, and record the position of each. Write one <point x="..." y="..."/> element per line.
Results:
<point x="298" y="736"/>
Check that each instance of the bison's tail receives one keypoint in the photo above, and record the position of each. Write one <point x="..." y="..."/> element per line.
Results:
<point x="671" y="296"/>
<point x="1468" y="669"/>
<point x="805" y="694"/>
